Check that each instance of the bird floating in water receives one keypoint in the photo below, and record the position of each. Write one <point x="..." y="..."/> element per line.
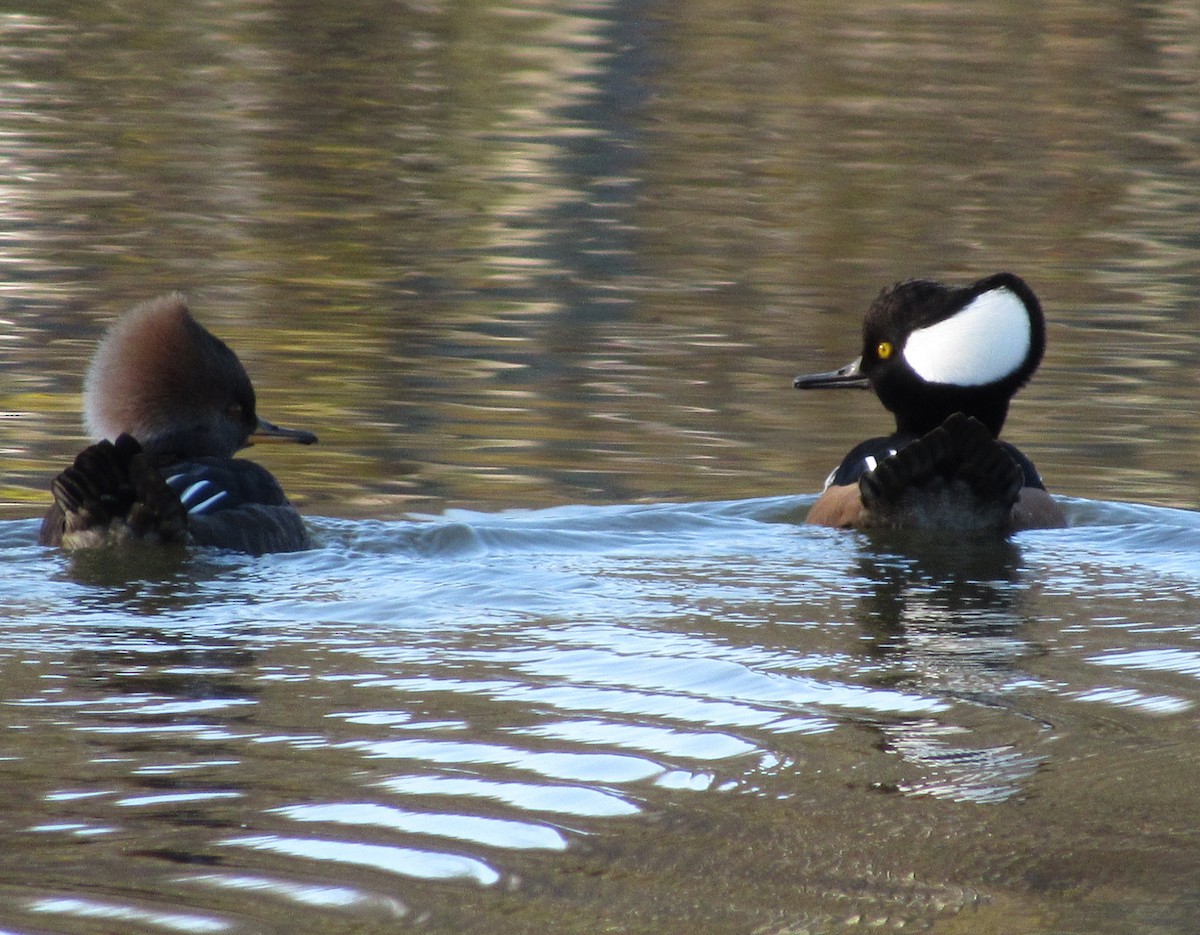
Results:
<point x="946" y="362"/>
<point x="171" y="404"/>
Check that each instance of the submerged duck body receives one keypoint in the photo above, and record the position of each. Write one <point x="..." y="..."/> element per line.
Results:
<point x="172" y="404"/>
<point x="946" y="361"/>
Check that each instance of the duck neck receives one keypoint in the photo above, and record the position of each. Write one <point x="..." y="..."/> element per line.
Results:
<point x="989" y="409"/>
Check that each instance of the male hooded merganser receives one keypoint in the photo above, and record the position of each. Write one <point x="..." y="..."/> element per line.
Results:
<point x="177" y="404"/>
<point x="946" y="361"/>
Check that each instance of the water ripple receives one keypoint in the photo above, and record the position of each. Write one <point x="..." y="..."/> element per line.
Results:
<point x="475" y="696"/>
<point x="112" y="912"/>
<point x="404" y="861"/>
<point x="579" y="801"/>
<point x="490" y="832"/>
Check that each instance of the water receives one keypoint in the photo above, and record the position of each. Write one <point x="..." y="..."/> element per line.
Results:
<point x="566" y="658"/>
<point x="652" y="718"/>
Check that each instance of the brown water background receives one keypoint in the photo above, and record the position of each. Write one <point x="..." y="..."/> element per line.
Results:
<point x="539" y="254"/>
<point x="540" y="275"/>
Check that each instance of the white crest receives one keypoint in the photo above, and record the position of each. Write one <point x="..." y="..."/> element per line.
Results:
<point x="983" y="343"/>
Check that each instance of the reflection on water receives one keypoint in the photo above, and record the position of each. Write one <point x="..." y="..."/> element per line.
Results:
<point x="515" y="725"/>
<point x="944" y="616"/>
<point x="564" y="659"/>
<point x="571" y="256"/>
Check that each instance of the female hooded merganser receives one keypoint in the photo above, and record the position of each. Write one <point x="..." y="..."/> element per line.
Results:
<point x="177" y="404"/>
<point x="946" y="361"/>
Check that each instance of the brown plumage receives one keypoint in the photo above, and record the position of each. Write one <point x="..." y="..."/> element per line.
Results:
<point x="177" y="404"/>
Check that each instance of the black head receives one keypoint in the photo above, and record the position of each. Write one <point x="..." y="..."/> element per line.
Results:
<point x="931" y="350"/>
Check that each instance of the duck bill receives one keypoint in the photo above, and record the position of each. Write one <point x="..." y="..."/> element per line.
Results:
<point x="267" y="431"/>
<point x="848" y="377"/>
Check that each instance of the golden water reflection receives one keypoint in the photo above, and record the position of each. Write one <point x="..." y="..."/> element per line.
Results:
<point x="510" y="254"/>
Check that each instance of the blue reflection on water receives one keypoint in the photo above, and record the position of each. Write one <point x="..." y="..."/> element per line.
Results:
<point x="437" y="700"/>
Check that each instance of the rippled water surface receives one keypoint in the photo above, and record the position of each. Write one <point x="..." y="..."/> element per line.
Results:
<point x="566" y="658"/>
<point x="699" y="717"/>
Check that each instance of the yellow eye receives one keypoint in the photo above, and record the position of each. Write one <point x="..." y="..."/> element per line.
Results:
<point x="883" y="350"/>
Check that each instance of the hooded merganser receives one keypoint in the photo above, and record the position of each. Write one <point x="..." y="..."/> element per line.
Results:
<point x="946" y="361"/>
<point x="177" y="404"/>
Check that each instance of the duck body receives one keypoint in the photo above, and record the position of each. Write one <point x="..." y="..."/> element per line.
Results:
<point x="172" y="404"/>
<point x="946" y="361"/>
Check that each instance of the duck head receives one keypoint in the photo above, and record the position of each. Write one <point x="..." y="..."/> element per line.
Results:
<point x="163" y="378"/>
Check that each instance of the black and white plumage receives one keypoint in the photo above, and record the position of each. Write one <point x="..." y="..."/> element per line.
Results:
<point x="946" y="361"/>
